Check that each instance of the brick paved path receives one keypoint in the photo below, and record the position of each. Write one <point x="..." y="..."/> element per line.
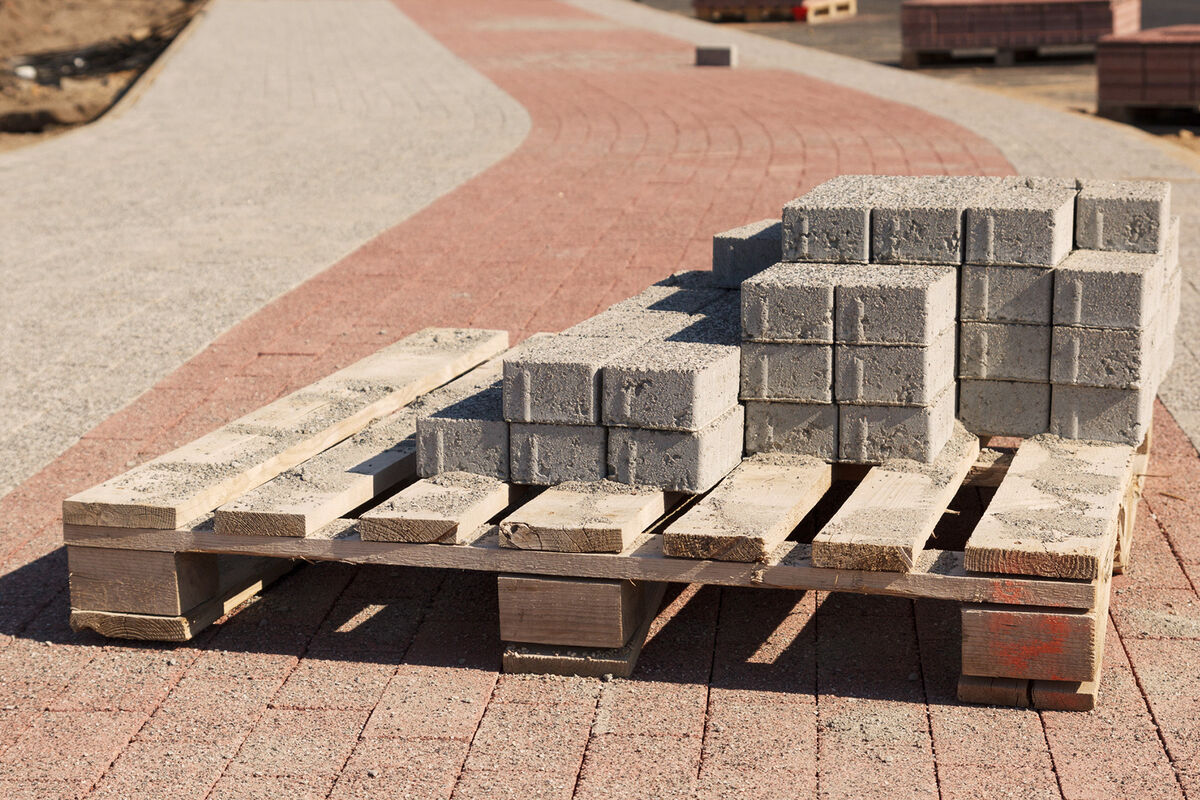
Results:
<point x="377" y="682"/>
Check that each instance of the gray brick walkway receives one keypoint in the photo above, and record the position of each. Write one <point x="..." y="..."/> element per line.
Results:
<point x="278" y="137"/>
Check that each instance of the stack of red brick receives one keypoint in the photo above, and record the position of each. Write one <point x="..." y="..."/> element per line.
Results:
<point x="943" y="25"/>
<point x="1159" y="67"/>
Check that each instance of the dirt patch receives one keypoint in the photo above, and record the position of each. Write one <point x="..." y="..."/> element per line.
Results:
<point x="63" y="63"/>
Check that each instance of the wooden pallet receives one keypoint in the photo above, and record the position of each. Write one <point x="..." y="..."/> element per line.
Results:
<point x="581" y="573"/>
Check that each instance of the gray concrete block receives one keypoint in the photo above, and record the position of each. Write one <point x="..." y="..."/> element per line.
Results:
<point x="468" y="436"/>
<point x="691" y="461"/>
<point x="557" y="380"/>
<point x="1130" y="216"/>
<point x="878" y="374"/>
<point x="1107" y="289"/>
<point x="1003" y="351"/>
<point x="670" y="385"/>
<point x="655" y="312"/>
<point x="716" y="55"/>
<point x="1004" y="408"/>
<point x="872" y="434"/>
<point x="804" y="428"/>
<point x="1101" y="414"/>
<point x="796" y="371"/>
<point x="1006" y="294"/>
<point x="832" y="223"/>
<point x="1021" y="221"/>
<point x="746" y="251"/>
<point x="719" y="322"/>
<point x="881" y="304"/>
<point x="545" y="455"/>
<point x="1099" y="357"/>
<point x="790" y="303"/>
<point x="921" y="221"/>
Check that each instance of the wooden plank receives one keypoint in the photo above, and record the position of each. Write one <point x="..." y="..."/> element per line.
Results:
<point x="1012" y="692"/>
<point x="1127" y="521"/>
<point x="579" y="612"/>
<point x="1064" y="695"/>
<point x="344" y="477"/>
<point x="752" y="511"/>
<point x="587" y="662"/>
<point x="938" y="574"/>
<point x="600" y="517"/>
<point x="1055" y="514"/>
<point x="886" y="522"/>
<point x="448" y="508"/>
<point x="250" y="579"/>
<point x="143" y="582"/>
<point x="189" y="482"/>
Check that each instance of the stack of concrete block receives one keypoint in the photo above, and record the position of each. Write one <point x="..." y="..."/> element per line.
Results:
<point x="1115" y="308"/>
<point x="644" y="393"/>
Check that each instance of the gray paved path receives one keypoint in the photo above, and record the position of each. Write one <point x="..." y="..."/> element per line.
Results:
<point x="1035" y="139"/>
<point x="279" y="136"/>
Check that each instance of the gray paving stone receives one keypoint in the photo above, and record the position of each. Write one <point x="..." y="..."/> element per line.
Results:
<point x="557" y="379"/>
<point x="1004" y="351"/>
<point x="878" y="374"/>
<point x="1021" y="221"/>
<point x="1099" y="357"/>
<point x="804" y="428"/>
<point x="469" y="436"/>
<point x="887" y="304"/>
<point x="921" y="222"/>
<point x="796" y="371"/>
<point x="1130" y="216"/>
<point x="745" y="251"/>
<point x="1102" y="414"/>
<point x="790" y="302"/>
<point x="1107" y="289"/>
<point x="1006" y="294"/>
<point x="667" y="385"/>
<point x="545" y="455"/>
<point x="832" y="223"/>
<point x="716" y="56"/>
<point x="1004" y="408"/>
<point x="682" y="461"/>
<point x="871" y="434"/>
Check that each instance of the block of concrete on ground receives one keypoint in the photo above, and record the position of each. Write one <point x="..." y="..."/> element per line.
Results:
<point x="796" y="371"/>
<point x="1029" y="221"/>
<point x="669" y="385"/>
<point x="556" y="379"/>
<point x="682" y="461"/>
<point x="886" y="374"/>
<point x="468" y="436"/>
<point x="1102" y="289"/>
<point x="1101" y="357"/>
<point x="544" y="455"/>
<point x="800" y="428"/>
<point x="1129" y="216"/>
<point x="921" y="221"/>
<point x="1004" y="408"/>
<point x="888" y="304"/>
<point x="1006" y="294"/>
<point x="1101" y="414"/>
<point x="746" y="251"/>
<point x="716" y="55"/>
<point x="872" y="434"/>
<point x="790" y="302"/>
<point x="719" y="322"/>
<point x="832" y="223"/>
<point x="447" y="508"/>
<point x="1004" y="351"/>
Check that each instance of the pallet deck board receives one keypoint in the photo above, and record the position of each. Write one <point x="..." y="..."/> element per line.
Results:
<point x="195" y="479"/>
<point x="892" y="513"/>
<point x="446" y="509"/>
<point x="604" y="518"/>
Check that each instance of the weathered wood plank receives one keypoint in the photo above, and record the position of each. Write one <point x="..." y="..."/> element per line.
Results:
<point x="1012" y="692"/>
<point x="1055" y="513"/>
<point x="601" y="517"/>
<point x="189" y="482"/>
<point x="448" y="509"/>
<point x="752" y="511"/>
<point x="587" y="662"/>
<point x="886" y="522"/>
<point x="580" y="612"/>
<point x="137" y="581"/>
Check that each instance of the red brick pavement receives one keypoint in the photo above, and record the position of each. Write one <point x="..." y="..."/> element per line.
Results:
<point x="367" y="682"/>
